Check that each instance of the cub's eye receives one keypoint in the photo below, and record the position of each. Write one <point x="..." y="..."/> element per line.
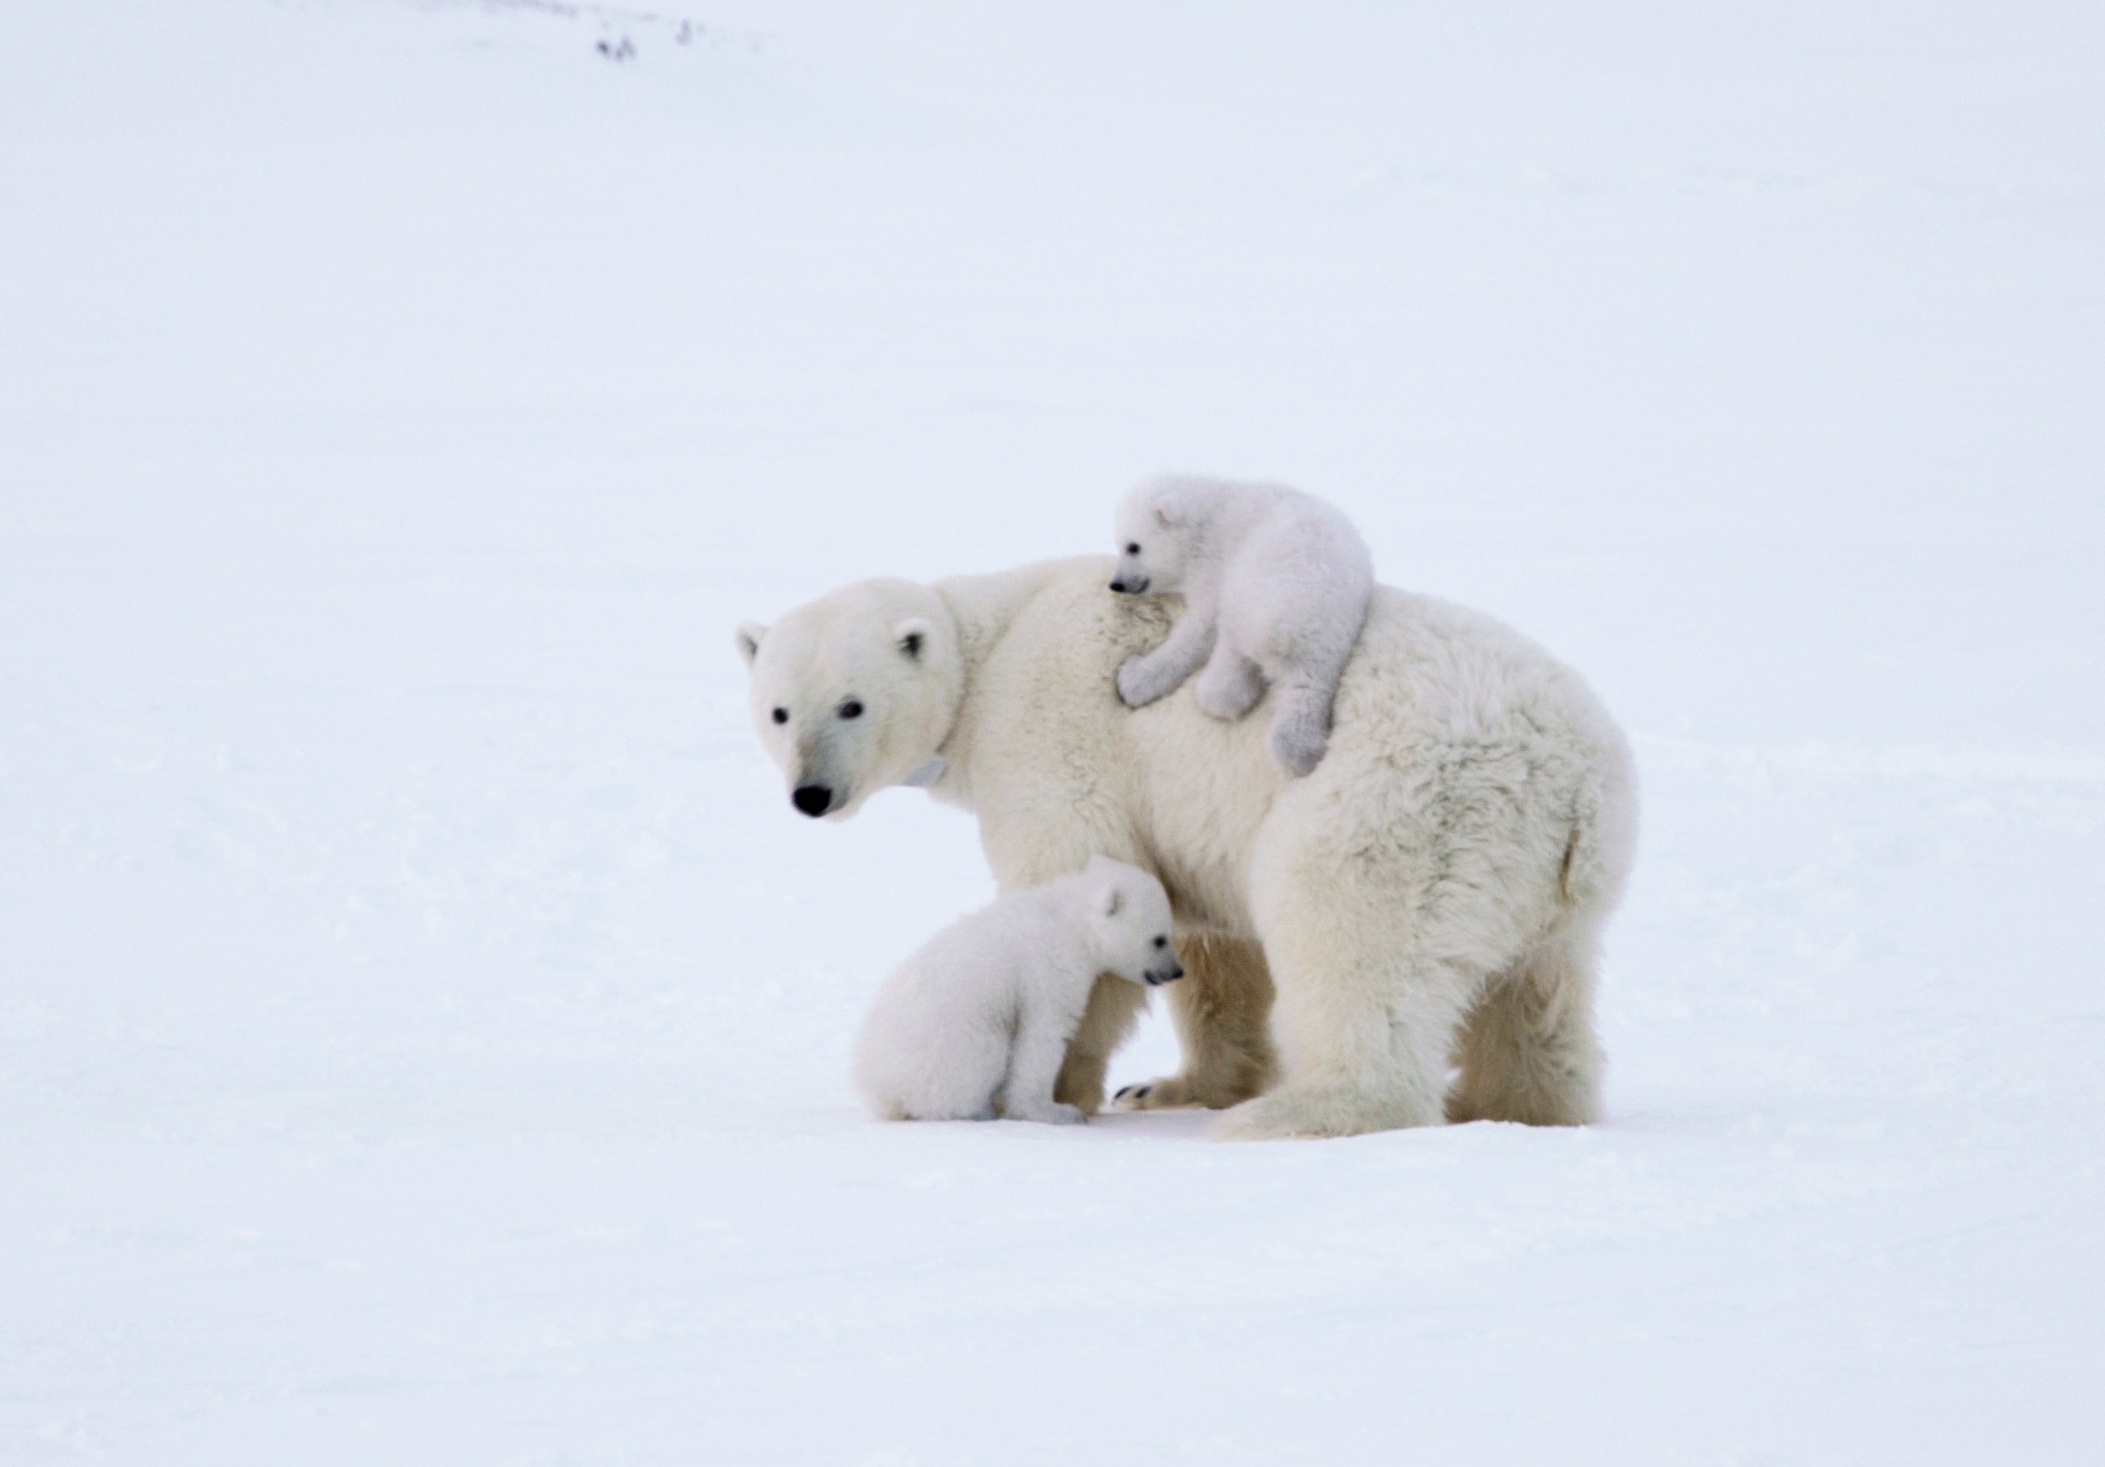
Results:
<point x="1133" y="548"/>
<point x="780" y="715"/>
<point x="1162" y="942"/>
<point x="851" y="709"/>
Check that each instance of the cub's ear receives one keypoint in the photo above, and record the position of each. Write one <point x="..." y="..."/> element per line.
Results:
<point x="748" y="638"/>
<point x="912" y="637"/>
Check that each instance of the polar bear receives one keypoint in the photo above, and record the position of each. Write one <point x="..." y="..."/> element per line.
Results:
<point x="1429" y="897"/>
<point x="1275" y="585"/>
<point x="980" y="1015"/>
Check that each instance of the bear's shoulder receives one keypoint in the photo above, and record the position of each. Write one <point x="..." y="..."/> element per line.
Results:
<point x="1053" y="614"/>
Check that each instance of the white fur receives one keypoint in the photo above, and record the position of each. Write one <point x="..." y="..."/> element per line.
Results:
<point x="977" y="1020"/>
<point x="1275" y="585"/>
<point x="1430" y="895"/>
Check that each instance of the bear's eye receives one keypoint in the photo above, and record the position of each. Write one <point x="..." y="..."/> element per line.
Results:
<point x="1162" y="942"/>
<point x="851" y="709"/>
<point x="1133" y="547"/>
<point x="780" y="715"/>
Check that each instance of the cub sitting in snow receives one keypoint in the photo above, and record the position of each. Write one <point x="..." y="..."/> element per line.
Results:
<point x="1275" y="585"/>
<point x="975" y="1024"/>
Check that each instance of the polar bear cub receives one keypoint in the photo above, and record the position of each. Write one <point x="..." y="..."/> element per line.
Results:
<point x="976" y="1022"/>
<point x="1275" y="585"/>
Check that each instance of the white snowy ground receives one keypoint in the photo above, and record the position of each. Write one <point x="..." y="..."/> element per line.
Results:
<point x="423" y="1019"/>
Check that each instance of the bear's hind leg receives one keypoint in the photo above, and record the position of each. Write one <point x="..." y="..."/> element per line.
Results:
<point x="1527" y="1051"/>
<point x="1376" y="955"/>
<point x="1222" y="1009"/>
<point x="1363" y="1040"/>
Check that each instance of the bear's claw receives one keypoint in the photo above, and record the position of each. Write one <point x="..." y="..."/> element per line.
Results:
<point x="1168" y="1092"/>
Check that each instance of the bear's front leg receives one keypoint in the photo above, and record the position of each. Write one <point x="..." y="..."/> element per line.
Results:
<point x="1148" y="676"/>
<point x="1114" y="1004"/>
<point x="1221" y="1009"/>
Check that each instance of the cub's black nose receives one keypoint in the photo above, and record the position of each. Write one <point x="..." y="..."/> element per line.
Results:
<point x="812" y="799"/>
<point x="1118" y="585"/>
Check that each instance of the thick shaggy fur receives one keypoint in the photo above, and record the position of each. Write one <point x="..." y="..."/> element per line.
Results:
<point x="1275" y="585"/>
<point x="977" y="1021"/>
<point x="1431" y="893"/>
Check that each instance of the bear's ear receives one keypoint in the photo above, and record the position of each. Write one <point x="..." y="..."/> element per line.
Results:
<point x="912" y="637"/>
<point x="748" y="638"/>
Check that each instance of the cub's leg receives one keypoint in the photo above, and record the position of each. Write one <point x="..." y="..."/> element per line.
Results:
<point x="947" y="1075"/>
<point x="1034" y="1064"/>
<point x="1147" y="676"/>
<point x="1527" y="1051"/>
<point x="1028" y="854"/>
<point x="1304" y="660"/>
<point x="1221" y="1008"/>
<point x="1300" y="732"/>
<point x="1231" y="685"/>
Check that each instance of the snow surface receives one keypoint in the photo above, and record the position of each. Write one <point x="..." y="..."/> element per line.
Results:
<point x="424" y="1024"/>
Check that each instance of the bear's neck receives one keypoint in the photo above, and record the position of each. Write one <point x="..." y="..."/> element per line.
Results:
<point x="982" y="608"/>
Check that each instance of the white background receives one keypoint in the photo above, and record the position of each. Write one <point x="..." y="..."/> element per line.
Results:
<point x="423" y="1020"/>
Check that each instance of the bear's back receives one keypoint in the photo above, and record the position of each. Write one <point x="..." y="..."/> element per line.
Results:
<point x="1051" y="745"/>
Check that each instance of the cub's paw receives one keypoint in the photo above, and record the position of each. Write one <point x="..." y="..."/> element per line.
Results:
<point x="1136" y="688"/>
<point x="1055" y="1114"/>
<point x="1298" y="750"/>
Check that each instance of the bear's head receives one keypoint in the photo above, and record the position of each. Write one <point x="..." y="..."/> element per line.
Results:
<point x="1129" y="919"/>
<point x="855" y="691"/>
<point x="1160" y="526"/>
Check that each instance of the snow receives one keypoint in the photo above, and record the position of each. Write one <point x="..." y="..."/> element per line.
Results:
<point x="424" y="1023"/>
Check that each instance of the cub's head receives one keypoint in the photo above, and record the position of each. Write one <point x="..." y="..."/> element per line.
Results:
<point x="1160" y="525"/>
<point x="1129" y="917"/>
<point x="854" y="691"/>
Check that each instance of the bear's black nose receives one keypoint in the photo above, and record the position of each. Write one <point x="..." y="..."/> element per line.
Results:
<point x="812" y="799"/>
<point x="1118" y="585"/>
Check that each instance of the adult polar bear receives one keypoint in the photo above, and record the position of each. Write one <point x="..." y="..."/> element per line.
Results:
<point x="1430" y="895"/>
